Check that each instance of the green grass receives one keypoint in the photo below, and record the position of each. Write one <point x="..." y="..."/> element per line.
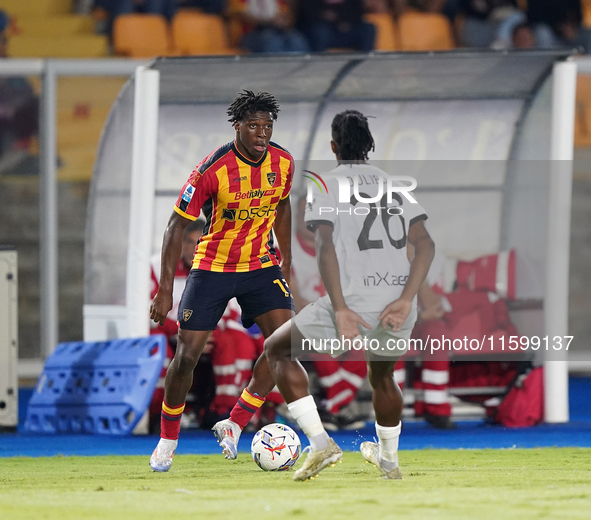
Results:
<point x="471" y="484"/>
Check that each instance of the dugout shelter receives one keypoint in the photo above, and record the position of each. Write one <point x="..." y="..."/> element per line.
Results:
<point x="487" y="135"/>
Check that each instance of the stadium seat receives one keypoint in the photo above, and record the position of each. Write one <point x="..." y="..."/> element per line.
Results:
<point x="586" y="12"/>
<point x="234" y="27"/>
<point x="83" y="105"/>
<point x="583" y="112"/>
<point x="141" y="35"/>
<point x="386" y="36"/>
<point x="76" y="163"/>
<point x="36" y="7"/>
<point x="71" y="46"/>
<point x="54" y="26"/>
<point x="195" y="33"/>
<point x="425" y="32"/>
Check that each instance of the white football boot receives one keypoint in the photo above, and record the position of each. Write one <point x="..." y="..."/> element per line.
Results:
<point x="161" y="459"/>
<point x="371" y="453"/>
<point x="316" y="461"/>
<point x="227" y="433"/>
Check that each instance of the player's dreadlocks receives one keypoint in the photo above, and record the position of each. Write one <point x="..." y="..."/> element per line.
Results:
<point x="350" y="132"/>
<point x="248" y="102"/>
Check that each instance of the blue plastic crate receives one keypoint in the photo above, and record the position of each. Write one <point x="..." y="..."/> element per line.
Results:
<point x="96" y="387"/>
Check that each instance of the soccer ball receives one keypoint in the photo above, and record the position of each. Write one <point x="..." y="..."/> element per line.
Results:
<point x="275" y="447"/>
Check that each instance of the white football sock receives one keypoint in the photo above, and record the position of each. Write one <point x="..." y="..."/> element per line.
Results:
<point x="388" y="436"/>
<point x="305" y="413"/>
<point x="168" y="444"/>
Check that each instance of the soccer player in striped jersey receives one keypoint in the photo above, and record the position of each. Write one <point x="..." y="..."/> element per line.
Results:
<point x="243" y="190"/>
<point x="362" y="258"/>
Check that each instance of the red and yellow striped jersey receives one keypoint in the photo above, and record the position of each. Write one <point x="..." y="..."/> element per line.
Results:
<point x="238" y="198"/>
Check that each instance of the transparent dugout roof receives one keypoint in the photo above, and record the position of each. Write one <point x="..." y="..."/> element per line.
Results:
<point x="461" y="74"/>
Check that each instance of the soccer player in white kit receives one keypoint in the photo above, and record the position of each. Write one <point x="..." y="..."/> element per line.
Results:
<point x="371" y="292"/>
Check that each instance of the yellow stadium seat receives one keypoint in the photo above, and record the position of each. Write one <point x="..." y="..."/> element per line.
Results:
<point x="583" y="112"/>
<point x="425" y="32"/>
<point x="55" y="26"/>
<point x="141" y="35"/>
<point x="83" y="105"/>
<point x="74" y="132"/>
<point x="386" y="37"/>
<point x="74" y="91"/>
<point x="36" y="7"/>
<point x="234" y="27"/>
<point x="586" y="8"/>
<point x="77" y="46"/>
<point x="76" y="163"/>
<point x="195" y="33"/>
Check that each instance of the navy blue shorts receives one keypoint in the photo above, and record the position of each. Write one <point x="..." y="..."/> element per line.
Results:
<point x="207" y="294"/>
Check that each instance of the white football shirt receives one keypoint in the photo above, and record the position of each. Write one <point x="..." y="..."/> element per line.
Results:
<point x="304" y="270"/>
<point x="370" y="239"/>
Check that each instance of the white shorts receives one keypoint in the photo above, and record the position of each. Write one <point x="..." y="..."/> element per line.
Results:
<point x="317" y="323"/>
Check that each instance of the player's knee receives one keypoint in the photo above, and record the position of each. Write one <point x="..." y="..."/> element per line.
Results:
<point x="270" y="347"/>
<point x="185" y="360"/>
<point x="275" y="347"/>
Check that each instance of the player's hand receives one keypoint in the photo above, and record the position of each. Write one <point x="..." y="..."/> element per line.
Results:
<point x="348" y="323"/>
<point x="395" y="314"/>
<point x="160" y="307"/>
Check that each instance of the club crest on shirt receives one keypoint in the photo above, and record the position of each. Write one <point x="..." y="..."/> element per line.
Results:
<point x="187" y="313"/>
<point x="195" y="177"/>
<point x="271" y="177"/>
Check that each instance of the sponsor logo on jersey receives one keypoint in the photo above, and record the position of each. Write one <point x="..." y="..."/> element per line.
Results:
<point x="186" y="197"/>
<point x="247" y="214"/>
<point x="254" y="194"/>
<point x="271" y="177"/>
<point x="387" y="279"/>
<point x="238" y="179"/>
<point x="188" y="193"/>
<point x="265" y="259"/>
<point x="187" y="313"/>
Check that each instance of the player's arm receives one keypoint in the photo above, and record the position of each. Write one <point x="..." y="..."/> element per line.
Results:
<point x="430" y="304"/>
<point x="395" y="313"/>
<point x="171" y="253"/>
<point x="328" y="265"/>
<point x="282" y="230"/>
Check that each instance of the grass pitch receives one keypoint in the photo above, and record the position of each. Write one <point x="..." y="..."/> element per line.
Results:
<point x="440" y="484"/>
